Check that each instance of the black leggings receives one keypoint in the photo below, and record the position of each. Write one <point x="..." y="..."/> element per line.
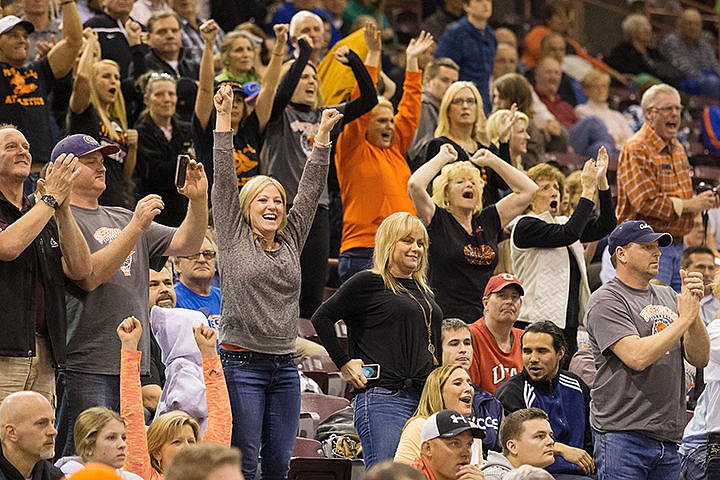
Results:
<point x="313" y="263"/>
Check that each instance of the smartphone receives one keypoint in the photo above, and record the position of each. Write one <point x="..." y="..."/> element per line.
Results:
<point x="181" y="170"/>
<point x="371" y="371"/>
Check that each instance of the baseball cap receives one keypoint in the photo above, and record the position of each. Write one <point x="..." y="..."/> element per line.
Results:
<point x="237" y="87"/>
<point x="500" y="281"/>
<point x="636" y="231"/>
<point x="251" y="89"/>
<point x="79" y="145"/>
<point x="9" y="22"/>
<point x="448" y="423"/>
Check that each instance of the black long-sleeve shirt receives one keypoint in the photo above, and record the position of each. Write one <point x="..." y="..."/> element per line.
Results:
<point x="384" y="328"/>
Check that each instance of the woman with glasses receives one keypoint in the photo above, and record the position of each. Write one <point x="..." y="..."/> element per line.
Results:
<point x="461" y="123"/>
<point x="392" y="321"/>
<point x="97" y="108"/>
<point x="161" y="138"/>
<point x="546" y="249"/>
<point x="463" y="232"/>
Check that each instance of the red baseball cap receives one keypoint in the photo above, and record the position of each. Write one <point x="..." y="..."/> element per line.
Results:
<point x="500" y="281"/>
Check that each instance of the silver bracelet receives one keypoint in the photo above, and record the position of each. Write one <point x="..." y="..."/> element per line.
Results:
<point x="322" y="145"/>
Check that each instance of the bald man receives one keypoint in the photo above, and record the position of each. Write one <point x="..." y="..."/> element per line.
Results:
<point x="27" y="437"/>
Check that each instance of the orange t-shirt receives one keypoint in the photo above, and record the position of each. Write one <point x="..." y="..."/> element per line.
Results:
<point x="420" y="464"/>
<point x="491" y="367"/>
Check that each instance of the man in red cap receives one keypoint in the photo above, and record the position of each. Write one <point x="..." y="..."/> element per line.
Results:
<point x="496" y="342"/>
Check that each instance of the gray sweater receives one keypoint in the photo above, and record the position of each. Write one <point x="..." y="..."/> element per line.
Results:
<point x="260" y="288"/>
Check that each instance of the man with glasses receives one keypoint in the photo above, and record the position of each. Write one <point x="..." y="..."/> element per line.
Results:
<point x="654" y="176"/>
<point x="194" y="289"/>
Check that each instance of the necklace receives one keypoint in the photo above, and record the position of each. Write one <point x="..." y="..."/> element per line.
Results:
<point x="427" y="317"/>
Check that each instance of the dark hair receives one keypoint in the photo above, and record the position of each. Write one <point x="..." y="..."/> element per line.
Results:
<point x="552" y="7"/>
<point x="514" y="88"/>
<point x="453" y="324"/>
<point x="512" y="425"/>
<point x="155" y="17"/>
<point x="390" y="470"/>
<point x="549" y="328"/>
<point x="688" y="252"/>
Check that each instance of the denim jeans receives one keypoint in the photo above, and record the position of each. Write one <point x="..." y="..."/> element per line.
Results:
<point x="380" y="415"/>
<point x="265" y="399"/>
<point x="352" y="261"/>
<point x="693" y="464"/>
<point x="77" y="392"/>
<point x="634" y="456"/>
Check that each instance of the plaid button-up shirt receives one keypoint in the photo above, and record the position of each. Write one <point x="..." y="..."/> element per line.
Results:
<point x="650" y="172"/>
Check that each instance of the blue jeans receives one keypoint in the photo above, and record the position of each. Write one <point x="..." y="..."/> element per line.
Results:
<point x="693" y="464"/>
<point x="265" y="399"/>
<point x="380" y="415"/>
<point x="76" y="393"/>
<point x="352" y="261"/>
<point x="634" y="456"/>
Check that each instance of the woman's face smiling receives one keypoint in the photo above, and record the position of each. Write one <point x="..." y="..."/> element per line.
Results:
<point x="458" y="392"/>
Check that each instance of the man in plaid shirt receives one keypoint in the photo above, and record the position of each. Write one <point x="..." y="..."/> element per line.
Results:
<point x="655" y="178"/>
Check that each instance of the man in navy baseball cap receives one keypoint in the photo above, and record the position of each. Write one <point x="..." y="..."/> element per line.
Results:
<point x="636" y="231"/>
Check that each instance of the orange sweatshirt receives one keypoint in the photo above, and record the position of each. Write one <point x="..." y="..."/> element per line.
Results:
<point x="219" y="429"/>
<point x="373" y="180"/>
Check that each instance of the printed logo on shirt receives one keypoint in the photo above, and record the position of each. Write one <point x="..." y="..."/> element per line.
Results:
<point x="307" y="133"/>
<point x="501" y="373"/>
<point x="53" y="243"/>
<point x="23" y="83"/>
<point x="661" y="316"/>
<point x="104" y="236"/>
<point x="106" y="139"/>
<point x="243" y="164"/>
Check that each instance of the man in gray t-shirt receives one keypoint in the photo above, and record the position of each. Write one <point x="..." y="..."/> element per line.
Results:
<point x="639" y="333"/>
<point x="123" y="246"/>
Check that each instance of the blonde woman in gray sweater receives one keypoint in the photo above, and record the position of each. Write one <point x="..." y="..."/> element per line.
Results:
<point x="259" y="245"/>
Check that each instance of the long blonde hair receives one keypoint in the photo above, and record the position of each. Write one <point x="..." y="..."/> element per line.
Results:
<point x="431" y="398"/>
<point x="395" y="227"/>
<point x="117" y="109"/>
<point x="495" y="121"/>
<point x="443" y="126"/>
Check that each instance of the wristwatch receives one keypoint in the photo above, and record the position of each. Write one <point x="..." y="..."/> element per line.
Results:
<point x="50" y="201"/>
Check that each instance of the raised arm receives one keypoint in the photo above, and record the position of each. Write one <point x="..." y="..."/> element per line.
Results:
<point x="204" y="97"/>
<point x="219" y="427"/>
<point x="131" y="407"/>
<point x="271" y="80"/>
<point x="601" y="226"/>
<point x="80" y="97"/>
<point x="639" y="353"/>
<point x="419" y="181"/>
<point x="523" y="188"/>
<point x="21" y="233"/>
<point x="189" y="236"/>
<point x="62" y="56"/>
<point x="358" y="107"/>
<point x="373" y="40"/>
<point x="292" y="77"/>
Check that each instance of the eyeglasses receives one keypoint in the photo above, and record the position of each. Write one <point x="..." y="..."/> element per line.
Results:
<point x="669" y="108"/>
<point x="460" y="101"/>
<point x="207" y="254"/>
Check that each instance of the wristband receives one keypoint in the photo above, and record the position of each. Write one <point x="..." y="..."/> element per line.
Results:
<point x="322" y="145"/>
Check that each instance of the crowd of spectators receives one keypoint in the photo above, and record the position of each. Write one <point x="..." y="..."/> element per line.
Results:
<point x="177" y="178"/>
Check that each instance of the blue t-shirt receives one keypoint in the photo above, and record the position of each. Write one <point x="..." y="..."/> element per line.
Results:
<point x="209" y="305"/>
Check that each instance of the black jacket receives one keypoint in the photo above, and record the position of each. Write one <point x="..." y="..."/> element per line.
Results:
<point x="42" y="259"/>
<point x="43" y="470"/>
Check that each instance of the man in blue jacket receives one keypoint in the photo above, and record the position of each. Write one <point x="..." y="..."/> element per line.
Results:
<point x="561" y="394"/>
<point x="472" y="44"/>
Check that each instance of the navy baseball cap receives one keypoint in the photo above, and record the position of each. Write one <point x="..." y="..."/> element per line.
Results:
<point x="636" y="231"/>
<point x="448" y="423"/>
<point x="80" y="145"/>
